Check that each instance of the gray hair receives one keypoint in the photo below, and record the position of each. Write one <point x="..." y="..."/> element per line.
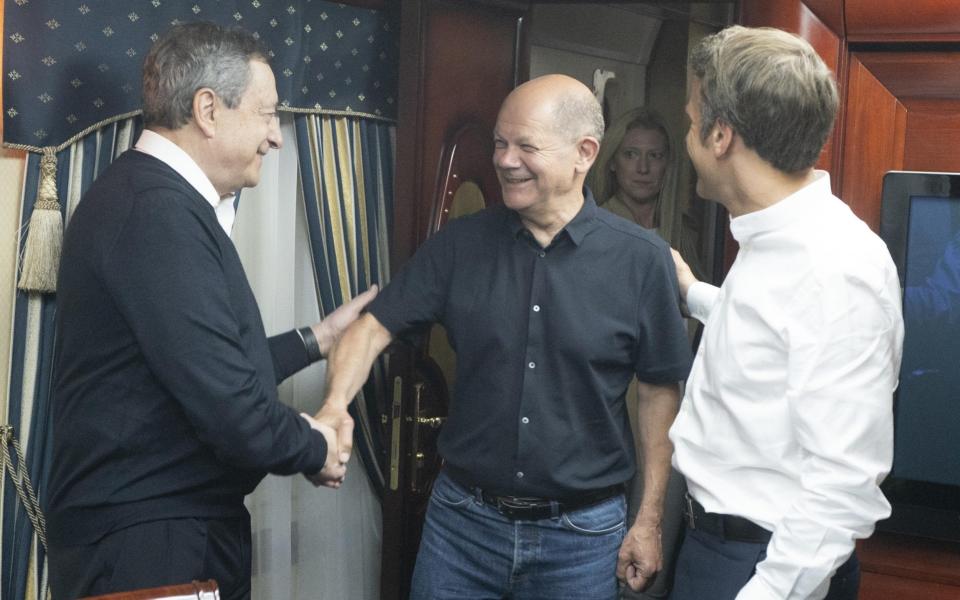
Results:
<point x="579" y="114"/>
<point x="190" y="57"/>
<point x="772" y="88"/>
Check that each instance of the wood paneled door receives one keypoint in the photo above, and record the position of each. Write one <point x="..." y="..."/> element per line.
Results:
<point x="459" y="59"/>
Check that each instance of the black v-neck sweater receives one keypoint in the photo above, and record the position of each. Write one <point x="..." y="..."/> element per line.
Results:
<point x="165" y="397"/>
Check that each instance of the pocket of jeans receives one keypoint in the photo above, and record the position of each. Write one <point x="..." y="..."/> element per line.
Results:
<point x="604" y="518"/>
<point x="450" y="494"/>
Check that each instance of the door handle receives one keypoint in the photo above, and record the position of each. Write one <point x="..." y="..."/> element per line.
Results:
<point x="395" y="424"/>
<point x="416" y="456"/>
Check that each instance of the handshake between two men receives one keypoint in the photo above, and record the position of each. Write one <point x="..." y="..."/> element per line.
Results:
<point x="334" y="422"/>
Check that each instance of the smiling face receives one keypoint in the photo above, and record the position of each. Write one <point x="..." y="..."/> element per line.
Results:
<point x="247" y="132"/>
<point x="640" y="164"/>
<point x="536" y="163"/>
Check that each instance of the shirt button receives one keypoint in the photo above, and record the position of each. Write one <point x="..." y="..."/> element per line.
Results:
<point x="525" y="420"/>
<point x="532" y="365"/>
<point x="541" y="254"/>
<point x="519" y="474"/>
<point x="536" y="308"/>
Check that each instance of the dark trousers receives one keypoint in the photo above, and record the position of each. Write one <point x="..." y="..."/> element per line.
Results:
<point x="156" y="553"/>
<point x="714" y="568"/>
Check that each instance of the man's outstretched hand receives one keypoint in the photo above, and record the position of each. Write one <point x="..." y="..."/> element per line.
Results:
<point x="329" y="330"/>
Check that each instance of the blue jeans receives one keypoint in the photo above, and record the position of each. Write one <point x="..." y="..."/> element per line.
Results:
<point x="710" y="567"/>
<point x="469" y="551"/>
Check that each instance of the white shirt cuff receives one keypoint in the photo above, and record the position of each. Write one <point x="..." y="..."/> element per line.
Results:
<point x="701" y="297"/>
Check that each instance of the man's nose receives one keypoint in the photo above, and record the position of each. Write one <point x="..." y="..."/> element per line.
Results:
<point x="274" y="137"/>
<point x="505" y="158"/>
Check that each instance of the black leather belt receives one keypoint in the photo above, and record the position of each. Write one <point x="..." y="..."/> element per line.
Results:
<point x="532" y="509"/>
<point x="727" y="527"/>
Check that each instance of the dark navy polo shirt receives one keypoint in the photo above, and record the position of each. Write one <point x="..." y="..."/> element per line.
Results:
<point x="547" y="340"/>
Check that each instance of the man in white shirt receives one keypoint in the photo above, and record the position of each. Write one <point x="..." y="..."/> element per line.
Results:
<point x="785" y="431"/>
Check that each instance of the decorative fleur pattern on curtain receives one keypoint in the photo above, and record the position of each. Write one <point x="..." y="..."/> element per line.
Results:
<point x="22" y="556"/>
<point x="70" y="66"/>
<point x="346" y="178"/>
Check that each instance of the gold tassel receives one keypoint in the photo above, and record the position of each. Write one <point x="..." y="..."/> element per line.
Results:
<point x="41" y="253"/>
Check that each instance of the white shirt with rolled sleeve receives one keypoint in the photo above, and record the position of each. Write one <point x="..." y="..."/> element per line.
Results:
<point x="787" y="417"/>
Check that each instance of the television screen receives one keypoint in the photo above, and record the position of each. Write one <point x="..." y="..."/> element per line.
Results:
<point x="920" y="222"/>
<point x="927" y="444"/>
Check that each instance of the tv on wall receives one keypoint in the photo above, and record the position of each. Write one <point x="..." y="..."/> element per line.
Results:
<point x="920" y="222"/>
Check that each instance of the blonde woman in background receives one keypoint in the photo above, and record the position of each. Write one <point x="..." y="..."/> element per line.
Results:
<point x="635" y="177"/>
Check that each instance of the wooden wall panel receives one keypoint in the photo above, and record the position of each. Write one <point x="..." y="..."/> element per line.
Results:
<point x="916" y="73"/>
<point x="876" y="586"/>
<point x="873" y="141"/>
<point x="457" y="65"/>
<point x="795" y="17"/>
<point x="830" y="12"/>
<point x="933" y="128"/>
<point x="902" y="20"/>
<point x="908" y="568"/>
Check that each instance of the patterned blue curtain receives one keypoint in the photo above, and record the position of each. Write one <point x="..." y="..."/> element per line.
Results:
<point x="346" y="178"/>
<point x="22" y="555"/>
<point x="72" y="65"/>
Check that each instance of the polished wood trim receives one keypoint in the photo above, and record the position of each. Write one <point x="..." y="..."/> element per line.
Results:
<point x="917" y="73"/>
<point x="932" y="131"/>
<point x="465" y="157"/>
<point x="201" y="590"/>
<point x="902" y="20"/>
<point x="830" y="13"/>
<point x="457" y="63"/>
<point x="407" y="184"/>
<point x="873" y="141"/>
<point x="877" y="586"/>
<point x="911" y="558"/>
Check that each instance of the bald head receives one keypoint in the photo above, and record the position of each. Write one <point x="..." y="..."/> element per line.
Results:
<point x="546" y="138"/>
<point x="564" y="104"/>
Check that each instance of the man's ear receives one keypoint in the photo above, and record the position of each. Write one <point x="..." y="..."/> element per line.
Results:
<point x="587" y="150"/>
<point x="205" y="111"/>
<point x="720" y="139"/>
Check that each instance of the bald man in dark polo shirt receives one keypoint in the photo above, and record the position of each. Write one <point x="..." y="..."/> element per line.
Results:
<point x="552" y="305"/>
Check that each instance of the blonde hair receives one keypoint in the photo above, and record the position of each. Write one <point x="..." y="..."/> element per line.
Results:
<point x="603" y="182"/>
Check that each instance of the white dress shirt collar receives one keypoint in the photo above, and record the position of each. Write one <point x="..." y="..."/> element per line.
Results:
<point x="161" y="148"/>
<point x="783" y="213"/>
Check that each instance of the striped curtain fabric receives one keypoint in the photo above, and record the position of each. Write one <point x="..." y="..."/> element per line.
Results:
<point x="346" y="178"/>
<point x="346" y="170"/>
<point x="26" y="405"/>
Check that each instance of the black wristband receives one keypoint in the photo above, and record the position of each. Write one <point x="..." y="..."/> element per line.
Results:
<point x="310" y="343"/>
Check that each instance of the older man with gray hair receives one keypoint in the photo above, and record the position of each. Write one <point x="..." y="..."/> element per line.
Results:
<point x="165" y="385"/>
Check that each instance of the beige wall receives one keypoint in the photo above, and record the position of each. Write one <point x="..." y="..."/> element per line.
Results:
<point x="11" y="174"/>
